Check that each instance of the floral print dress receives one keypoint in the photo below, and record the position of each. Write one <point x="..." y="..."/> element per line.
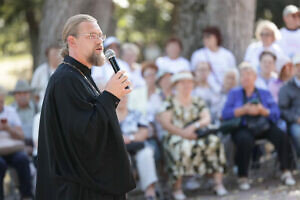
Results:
<point x="190" y="157"/>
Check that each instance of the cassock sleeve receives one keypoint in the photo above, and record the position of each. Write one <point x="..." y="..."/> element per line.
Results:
<point x="90" y="144"/>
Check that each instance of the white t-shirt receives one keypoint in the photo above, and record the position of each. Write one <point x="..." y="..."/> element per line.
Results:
<point x="221" y="61"/>
<point x="102" y="74"/>
<point x="255" y="49"/>
<point x="11" y="115"/>
<point x="263" y="83"/>
<point x="40" y="79"/>
<point x="136" y="77"/>
<point x="173" y="65"/>
<point x="290" y="41"/>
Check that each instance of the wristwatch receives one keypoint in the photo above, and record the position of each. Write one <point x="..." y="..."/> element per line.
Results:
<point x="131" y="137"/>
<point x="197" y="124"/>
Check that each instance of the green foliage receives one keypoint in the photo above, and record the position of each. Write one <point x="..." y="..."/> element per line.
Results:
<point x="14" y="31"/>
<point x="144" y="21"/>
<point x="272" y="10"/>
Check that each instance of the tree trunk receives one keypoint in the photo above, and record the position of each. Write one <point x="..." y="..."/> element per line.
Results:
<point x="235" y="18"/>
<point x="56" y="13"/>
<point x="33" y="25"/>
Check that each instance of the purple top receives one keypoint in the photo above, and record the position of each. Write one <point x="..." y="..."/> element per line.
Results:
<point x="235" y="100"/>
<point x="274" y="87"/>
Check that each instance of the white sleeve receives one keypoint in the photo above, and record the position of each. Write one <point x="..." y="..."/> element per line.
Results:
<point x="249" y="53"/>
<point x="186" y="65"/>
<point x="197" y="56"/>
<point x="232" y="60"/>
<point x="35" y="128"/>
<point x="13" y="118"/>
<point x="35" y="81"/>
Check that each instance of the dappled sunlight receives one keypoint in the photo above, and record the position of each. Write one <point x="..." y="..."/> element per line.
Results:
<point x="13" y="68"/>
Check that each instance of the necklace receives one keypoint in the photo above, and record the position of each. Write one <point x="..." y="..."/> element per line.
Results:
<point x="94" y="89"/>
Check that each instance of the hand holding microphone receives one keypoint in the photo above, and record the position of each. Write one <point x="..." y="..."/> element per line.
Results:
<point x="118" y="84"/>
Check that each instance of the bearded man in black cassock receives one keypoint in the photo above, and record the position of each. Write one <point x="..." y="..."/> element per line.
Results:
<point x="81" y="153"/>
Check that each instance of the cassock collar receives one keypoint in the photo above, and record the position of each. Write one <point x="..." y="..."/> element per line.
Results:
<point x="77" y="64"/>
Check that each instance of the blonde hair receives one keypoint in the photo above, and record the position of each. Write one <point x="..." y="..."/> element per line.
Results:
<point x="71" y="28"/>
<point x="246" y="66"/>
<point x="262" y="24"/>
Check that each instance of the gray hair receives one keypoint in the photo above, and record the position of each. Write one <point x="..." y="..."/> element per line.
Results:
<point x="71" y="28"/>
<point x="130" y="47"/>
<point x="234" y="71"/>
<point x="246" y="66"/>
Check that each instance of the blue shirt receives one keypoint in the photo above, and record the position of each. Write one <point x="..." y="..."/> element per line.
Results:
<point x="235" y="100"/>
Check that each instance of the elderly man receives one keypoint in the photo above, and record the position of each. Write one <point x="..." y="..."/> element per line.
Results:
<point x="81" y="152"/>
<point x="25" y="108"/>
<point x="289" y="103"/>
<point x="10" y="124"/>
<point x="259" y="113"/>
<point x="290" y="41"/>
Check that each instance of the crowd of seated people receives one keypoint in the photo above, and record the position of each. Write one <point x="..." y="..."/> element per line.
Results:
<point x="175" y="100"/>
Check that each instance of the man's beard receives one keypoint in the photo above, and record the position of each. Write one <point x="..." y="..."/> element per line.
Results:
<point x="97" y="59"/>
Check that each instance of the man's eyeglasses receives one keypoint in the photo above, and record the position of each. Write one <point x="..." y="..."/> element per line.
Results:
<point x="94" y="36"/>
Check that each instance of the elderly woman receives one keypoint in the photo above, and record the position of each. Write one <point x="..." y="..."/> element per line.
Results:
<point x="219" y="58"/>
<point x="249" y="103"/>
<point x="135" y="132"/>
<point x="173" y="61"/>
<point x="186" y="155"/>
<point x="266" y="34"/>
<point x="130" y="53"/>
<point x="267" y="73"/>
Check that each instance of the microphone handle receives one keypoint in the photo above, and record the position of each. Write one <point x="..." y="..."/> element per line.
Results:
<point x="115" y="66"/>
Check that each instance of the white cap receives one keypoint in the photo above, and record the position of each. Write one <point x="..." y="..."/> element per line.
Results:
<point x="290" y="9"/>
<point x="110" y="40"/>
<point x="184" y="75"/>
<point x="296" y="59"/>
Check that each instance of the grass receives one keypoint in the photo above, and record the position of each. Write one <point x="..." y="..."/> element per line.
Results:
<point x="13" y="68"/>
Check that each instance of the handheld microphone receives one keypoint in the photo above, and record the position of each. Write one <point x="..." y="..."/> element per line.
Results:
<point x="111" y="56"/>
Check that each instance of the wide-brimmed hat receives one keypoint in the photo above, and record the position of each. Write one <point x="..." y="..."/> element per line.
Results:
<point x="22" y="86"/>
<point x="110" y="40"/>
<point x="184" y="75"/>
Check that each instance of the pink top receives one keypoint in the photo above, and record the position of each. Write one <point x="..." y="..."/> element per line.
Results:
<point x="274" y="87"/>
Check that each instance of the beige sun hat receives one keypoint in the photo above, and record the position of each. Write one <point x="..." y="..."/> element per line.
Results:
<point x="184" y="75"/>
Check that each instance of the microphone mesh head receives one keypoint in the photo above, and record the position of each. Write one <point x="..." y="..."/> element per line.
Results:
<point x="109" y="53"/>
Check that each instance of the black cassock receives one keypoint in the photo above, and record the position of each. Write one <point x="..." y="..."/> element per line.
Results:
<point x="81" y="153"/>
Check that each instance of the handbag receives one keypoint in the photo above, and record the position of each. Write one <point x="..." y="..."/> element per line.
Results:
<point x="202" y="132"/>
<point x="231" y="125"/>
<point x="205" y="131"/>
<point x="256" y="124"/>
<point x="134" y="147"/>
<point x="8" y="145"/>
